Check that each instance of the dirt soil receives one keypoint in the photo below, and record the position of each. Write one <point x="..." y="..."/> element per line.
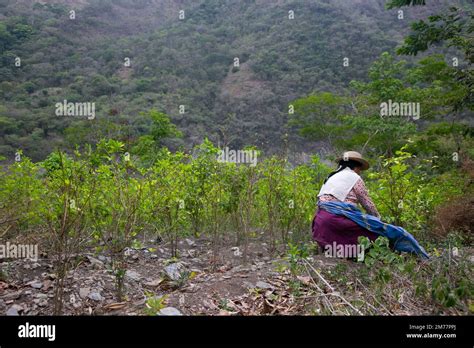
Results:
<point x="203" y="285"/>
<point x="225" y="286"/>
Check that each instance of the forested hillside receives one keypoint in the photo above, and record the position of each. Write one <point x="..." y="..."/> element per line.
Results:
<point x="175" y="62"/>
<point x="148" y="154"/>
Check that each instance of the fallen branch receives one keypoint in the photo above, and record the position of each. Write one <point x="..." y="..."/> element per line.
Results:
<point x="333" y="293"/>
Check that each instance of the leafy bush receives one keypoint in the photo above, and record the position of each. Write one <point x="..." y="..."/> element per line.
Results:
<point x="406" y="195"/>
<point x="21" y="189"/>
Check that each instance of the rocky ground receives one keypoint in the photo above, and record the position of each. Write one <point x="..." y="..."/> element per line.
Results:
<point x="194" y="284"/>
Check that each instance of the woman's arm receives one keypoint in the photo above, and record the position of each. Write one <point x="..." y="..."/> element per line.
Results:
<point x="364" y="199"/>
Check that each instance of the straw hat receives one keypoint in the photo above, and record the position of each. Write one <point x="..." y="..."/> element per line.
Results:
<point x="355" y="156"/>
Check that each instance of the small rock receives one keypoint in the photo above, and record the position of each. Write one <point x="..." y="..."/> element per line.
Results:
<point x="263" y="285"/>
<point x="96" y="263"/>
<point x="51" y="276"/>
<point x="103" y="258"/>
<point x="173" y="271"/>
<point x="95" y="296"/>
<point x="153" y="283"/>
<point x="133" y="275"/>
<point x="41" y="296"/>
<point x="36" y="284"/>
<point x="13" y="310"/>
<point x="169" y="311"/>
<point x="236" y="269"/>
<point x="248" y="285"/>
<point x="190" y="242"/>
<point x="83" y="292"/>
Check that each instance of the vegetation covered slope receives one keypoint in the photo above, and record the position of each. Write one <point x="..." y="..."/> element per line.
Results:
<point x="175" y="62"/>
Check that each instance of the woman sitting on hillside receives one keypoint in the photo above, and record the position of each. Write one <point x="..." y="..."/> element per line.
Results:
<point x="339" y="221"/>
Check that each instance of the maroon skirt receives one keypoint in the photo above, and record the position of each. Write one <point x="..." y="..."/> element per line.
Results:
<point x="329" y="228"/>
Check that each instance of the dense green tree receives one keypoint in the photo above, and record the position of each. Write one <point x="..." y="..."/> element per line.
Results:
<point x="148" y="146"/>
<point x="455" y="28"/>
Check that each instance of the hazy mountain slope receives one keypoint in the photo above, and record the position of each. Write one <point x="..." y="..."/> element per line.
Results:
<point x="177" y="62"/>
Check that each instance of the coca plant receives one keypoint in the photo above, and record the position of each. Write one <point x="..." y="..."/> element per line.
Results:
<point x="117" y="208"/>
<point x="69" y="188"/>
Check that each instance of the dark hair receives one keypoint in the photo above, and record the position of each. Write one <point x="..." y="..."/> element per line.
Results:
<point x="344" y="164"/>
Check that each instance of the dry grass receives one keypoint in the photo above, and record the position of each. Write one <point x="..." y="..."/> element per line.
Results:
<point x="457" y="215"/>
